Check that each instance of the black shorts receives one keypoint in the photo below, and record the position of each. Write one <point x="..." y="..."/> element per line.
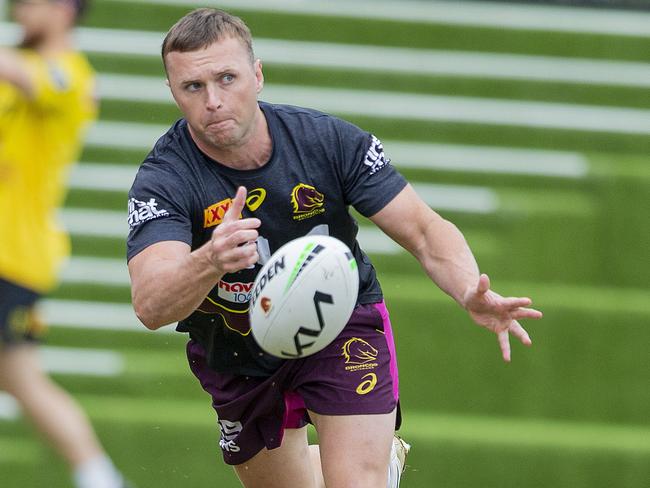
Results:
<point x="18" y="319"/>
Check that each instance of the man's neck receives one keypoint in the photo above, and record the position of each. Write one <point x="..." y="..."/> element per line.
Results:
<point x="53" y="44"/>
<point x="253" y="153"/>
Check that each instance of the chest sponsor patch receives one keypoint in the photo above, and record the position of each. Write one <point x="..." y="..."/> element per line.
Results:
<point x="213" y="215"/>
<point x="236" y="292"/>
<point x="140" y="211"/>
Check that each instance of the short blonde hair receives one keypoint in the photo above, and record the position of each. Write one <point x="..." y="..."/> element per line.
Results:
<point x="203" y="27"/>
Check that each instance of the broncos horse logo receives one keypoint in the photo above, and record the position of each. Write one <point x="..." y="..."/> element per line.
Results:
<point x="358" y="351"/>
<point x="305" y="198"/>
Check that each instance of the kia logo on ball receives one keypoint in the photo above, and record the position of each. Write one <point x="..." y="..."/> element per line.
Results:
<point x="319" y="298"/>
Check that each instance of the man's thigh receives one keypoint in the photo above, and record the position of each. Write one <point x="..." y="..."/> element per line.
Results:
<point x="355" y="449"/>
<point x="288" y="466"/>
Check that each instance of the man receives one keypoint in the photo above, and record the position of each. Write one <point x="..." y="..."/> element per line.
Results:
<point x="227" y="186"/>
<point x="46" y="100"/>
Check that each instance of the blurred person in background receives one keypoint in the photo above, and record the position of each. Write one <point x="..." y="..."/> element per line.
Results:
<point x="46" y="101"/>
<point x="197" y="234"/>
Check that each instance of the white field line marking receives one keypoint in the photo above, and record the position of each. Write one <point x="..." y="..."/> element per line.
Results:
<point x="384" y="104"/>
<point x="531" y="433"/>
<point x="102" y="176"/>
<point x="125" y="135"/>
<point x="487" y="159"/>
<point x="409" y="155"/>
<point x="92" y="315"/>
<point x="87" y="362"/>
<point x="9" y="409"/>
<point x="104" y="271"/>
<point x="393" y="59"/>
<point x="484" y="14"/>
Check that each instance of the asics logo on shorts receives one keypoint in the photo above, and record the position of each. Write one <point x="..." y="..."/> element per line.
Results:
<point x="229" y="432"/>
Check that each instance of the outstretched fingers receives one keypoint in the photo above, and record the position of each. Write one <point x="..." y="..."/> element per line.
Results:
<point x="504" y="344"/>
<point x="503" y="337"/>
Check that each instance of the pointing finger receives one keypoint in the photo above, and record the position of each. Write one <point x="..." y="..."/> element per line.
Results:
<point x="236" y="206"/>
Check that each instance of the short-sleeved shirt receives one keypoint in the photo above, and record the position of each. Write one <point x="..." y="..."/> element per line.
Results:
<point x="319" y="166"/>
<point x="40" y="136"/>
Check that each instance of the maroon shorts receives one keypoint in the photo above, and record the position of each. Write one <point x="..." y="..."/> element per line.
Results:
<point x="355" y="375"/>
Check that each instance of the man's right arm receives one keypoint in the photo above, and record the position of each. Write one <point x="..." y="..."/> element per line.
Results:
<point x="13" y="69"/>
<point x="168" y="282"/>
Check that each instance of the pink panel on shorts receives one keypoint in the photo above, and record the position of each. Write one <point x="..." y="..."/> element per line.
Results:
<point x="294" y="410"/>
<point x="388" y="331"/>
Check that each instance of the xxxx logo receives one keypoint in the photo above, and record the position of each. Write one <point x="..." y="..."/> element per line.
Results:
<point x="213" y="215"/>
<point x="359" y="355"/>
<point x="307" y="201"/>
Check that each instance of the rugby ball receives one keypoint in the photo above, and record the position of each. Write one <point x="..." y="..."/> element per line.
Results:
<point x="303" y="296"/>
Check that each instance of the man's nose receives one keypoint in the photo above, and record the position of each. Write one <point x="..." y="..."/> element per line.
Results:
<point x="214" y="100"/>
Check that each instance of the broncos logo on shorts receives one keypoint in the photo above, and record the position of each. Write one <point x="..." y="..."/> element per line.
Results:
<point x="358" y="351"/>
<point x="306" y="201"/>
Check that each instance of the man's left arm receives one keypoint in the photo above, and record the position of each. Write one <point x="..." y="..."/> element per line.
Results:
<point x="447" y="259"/>
<point x="14" y="70"/>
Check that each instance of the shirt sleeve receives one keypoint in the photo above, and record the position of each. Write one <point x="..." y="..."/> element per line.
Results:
<point x="370" y="181"/>
<point x="158" y="208"/>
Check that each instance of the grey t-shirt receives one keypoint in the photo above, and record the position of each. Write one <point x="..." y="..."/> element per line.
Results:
<point x="319" y="166"/>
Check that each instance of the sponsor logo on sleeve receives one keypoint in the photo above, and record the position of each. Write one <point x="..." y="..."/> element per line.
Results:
<point x="140" y="212"/>
<point x="307" y="201"/>
<point x="375" y="158"/>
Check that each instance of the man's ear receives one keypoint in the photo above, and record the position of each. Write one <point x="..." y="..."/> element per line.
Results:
<point x="259" y="75"/>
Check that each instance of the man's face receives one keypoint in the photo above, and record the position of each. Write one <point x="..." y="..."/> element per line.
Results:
<point x="38" y="17"/>
<point x="216" y="89"/>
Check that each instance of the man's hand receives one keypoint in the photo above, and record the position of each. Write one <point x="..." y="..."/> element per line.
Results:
<point x="499" y="314"/>
<point x="232" y="244"/>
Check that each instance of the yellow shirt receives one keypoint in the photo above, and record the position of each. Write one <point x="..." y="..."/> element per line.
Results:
<point x="39" y="138"/>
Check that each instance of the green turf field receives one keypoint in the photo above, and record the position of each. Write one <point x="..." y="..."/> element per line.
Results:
<point x="541" y="159"/>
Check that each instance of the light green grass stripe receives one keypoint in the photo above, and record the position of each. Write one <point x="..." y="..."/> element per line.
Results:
<point x="14" y="450"/>
<point x="520" y="17"/>
<point x="418" y="426"/>
<point x="491" y="431"/>
<point x="596" y="299"/>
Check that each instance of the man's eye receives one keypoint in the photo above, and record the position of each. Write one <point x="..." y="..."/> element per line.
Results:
<point x="192" y="87"/>
<point x="228" y="78"/>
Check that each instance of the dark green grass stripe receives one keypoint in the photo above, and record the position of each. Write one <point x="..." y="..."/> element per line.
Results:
<point x="374" y="31"/>
<point x="92" y="292"/>
<point x="97" y="199"/>
<point x="99" y="154"/>
<point x="105" y="247"/>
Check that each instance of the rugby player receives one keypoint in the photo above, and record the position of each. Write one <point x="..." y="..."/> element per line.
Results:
<point x="224" y="188"/>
